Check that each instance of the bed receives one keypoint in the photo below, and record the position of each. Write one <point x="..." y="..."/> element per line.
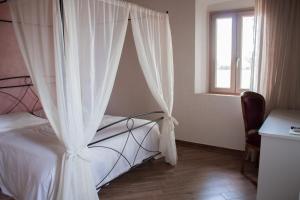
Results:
<point x="30" y="153"/>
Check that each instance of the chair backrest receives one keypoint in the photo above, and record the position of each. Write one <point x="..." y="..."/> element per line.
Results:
<point x="253" y="107"/>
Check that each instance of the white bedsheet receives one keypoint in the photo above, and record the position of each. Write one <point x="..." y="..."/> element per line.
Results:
<point x="30" y="157"/>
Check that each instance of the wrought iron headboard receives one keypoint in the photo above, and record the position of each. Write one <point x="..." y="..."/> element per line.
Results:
<point x="23" y="82"/>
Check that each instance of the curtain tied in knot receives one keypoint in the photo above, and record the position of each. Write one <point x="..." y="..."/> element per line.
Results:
<point x="172" y="120"/>
<point x="82" y="153"/>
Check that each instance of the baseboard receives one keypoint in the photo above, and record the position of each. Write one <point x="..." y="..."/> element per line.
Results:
<point x="208" y="147"/>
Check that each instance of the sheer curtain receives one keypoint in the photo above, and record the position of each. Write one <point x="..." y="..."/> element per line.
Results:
<point x="74" y="69"/>
<point x="152" y="36"/>
<point x="277" y="59"/>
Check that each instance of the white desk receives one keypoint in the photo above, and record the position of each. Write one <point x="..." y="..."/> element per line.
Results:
<point x="279" y="167"/>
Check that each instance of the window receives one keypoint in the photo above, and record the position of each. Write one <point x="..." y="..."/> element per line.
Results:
<point x="231" y="51"/>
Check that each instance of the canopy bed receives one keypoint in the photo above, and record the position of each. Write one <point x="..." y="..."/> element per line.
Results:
<point x="72" y="51"/>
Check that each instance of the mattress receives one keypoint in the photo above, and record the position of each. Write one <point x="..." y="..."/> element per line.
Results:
<point x="30" y="156"/>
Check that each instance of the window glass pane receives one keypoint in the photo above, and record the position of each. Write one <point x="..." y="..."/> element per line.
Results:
<point x="247" y="51"/>
<point x="223" y="52"/>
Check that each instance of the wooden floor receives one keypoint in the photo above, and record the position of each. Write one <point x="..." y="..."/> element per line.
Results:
<point x="202" y="173"/>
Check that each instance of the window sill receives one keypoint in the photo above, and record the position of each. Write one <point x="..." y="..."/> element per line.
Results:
<point x="220" y="94"/>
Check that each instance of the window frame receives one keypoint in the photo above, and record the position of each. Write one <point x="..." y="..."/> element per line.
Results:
<point x="236" y="53"/>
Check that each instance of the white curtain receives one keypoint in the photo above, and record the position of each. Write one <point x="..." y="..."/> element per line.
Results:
<point x="277" y="60"/>
<point x="73" y="65"/>
<point x="152" y="36"/>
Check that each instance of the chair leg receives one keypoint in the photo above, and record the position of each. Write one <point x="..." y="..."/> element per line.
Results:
<point x="243" y="167"/>
<point x="244" y="160"/>
<point x="258" y="158"/>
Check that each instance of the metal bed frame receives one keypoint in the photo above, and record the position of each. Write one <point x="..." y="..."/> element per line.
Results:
<point x="28" y="86"/>
<point x="129" y="121"/>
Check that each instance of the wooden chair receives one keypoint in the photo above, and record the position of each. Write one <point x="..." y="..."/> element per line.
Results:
<point x="253" y="107"/>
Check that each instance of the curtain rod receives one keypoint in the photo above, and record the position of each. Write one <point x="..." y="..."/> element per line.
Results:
<point x="3" y="20"/>
<point x="9" y="21"/>
<point x="167" y="12"/>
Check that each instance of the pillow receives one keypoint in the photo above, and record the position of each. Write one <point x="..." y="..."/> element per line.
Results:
<point x="19" y="120"/>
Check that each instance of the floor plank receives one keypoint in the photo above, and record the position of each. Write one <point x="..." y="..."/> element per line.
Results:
<point x="202" y="173"/>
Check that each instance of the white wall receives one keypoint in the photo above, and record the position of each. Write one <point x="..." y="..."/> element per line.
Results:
<point x="203" y="118"/>
<point x="130" y="94"/>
